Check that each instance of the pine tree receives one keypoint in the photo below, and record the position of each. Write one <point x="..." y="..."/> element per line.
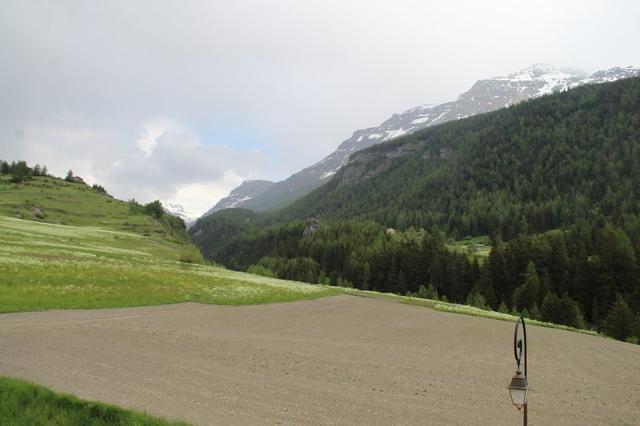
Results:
<point x="561" y="310"/>
<point x="620" y="323"/>
<point x="528" y="293"/>
<point x="5" y="168"/>
<point x="69" y="177"/>
<point x="366" y="276"/>
<point x="20" y="172"/>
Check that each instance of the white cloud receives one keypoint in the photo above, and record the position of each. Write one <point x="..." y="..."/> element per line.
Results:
<point x="198" y="196"/>
<point x="175" y="166"/>
<point x="165" y="160"/>
<point x="150" y="97"/>
<point x="151" y="130"/>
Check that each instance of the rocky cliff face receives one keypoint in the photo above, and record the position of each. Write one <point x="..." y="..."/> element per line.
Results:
<point x="484" y="96"/>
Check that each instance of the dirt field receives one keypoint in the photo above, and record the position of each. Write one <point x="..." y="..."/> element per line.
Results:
<point x="339" y="360"/>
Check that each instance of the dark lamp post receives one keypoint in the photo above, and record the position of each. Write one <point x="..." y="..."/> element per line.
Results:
<point x="519" y="387"/>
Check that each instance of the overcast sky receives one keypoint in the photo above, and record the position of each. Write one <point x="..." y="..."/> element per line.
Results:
<point x="182" y="100"/>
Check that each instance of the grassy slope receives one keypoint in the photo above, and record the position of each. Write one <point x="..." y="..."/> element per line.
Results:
<point x="103" y="257"/>
<point x="439" y="305"/>
<point x="479" y="247"/>
<point x="68" y="203"/>
<point x="23" y="403"/>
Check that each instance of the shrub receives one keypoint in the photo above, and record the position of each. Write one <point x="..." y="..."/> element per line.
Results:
<point x="99" y="189"/>
<point x="154" y="209"/>
<point x="427" y="292"/>
<point x="477" y="300"/>
<point x="261" y="270"/>
<point x="561" y="310"/>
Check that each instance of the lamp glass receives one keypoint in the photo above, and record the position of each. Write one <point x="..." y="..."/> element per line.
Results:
<point x="518" y="397"/>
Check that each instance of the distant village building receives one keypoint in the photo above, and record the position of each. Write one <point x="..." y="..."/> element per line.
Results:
<point x="391" y="231"/>
<point x="78" y="179"/>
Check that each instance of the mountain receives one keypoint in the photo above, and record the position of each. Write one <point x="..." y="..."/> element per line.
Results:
<point x="556" y="161"/>
<point x="242" y="194"/>
<point x="538" y="165"/>
<point x="553" y="182"/>
<point x="178" y="211"/>
<point x="484" y="96"/>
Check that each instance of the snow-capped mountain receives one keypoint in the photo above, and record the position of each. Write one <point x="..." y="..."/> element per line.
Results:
<point x="611" y="74"/>
<point x="484" y="96"/>
<point x="178" y="211"/>
<point x="242" y="194"/>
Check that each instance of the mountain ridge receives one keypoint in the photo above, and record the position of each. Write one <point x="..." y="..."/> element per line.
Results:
<point x="485" y="95"/>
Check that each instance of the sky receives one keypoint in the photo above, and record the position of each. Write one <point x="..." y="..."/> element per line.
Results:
<point x="183" y="100"/>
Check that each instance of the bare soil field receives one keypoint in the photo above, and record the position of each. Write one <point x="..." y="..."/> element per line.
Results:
<point x="338" y="360"/>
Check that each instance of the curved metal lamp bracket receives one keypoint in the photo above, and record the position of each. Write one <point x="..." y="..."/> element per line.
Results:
<point x="518" y="345"/>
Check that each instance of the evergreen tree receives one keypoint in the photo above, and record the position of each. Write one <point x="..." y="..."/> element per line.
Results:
<point x="69" y="177"/>
<point x="21" y="172"/>
<point x="366" y="276"/>
<point x="528" y="294"/>
<point x="561" y="310"/>
<point x="616" y="262"/>
<point x="620" y="323"/>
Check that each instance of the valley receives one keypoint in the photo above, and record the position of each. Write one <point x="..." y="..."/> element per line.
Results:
<point x="319" y="213"/>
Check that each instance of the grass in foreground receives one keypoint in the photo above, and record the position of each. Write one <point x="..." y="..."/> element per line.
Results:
<point x="23" y="403"/>
<point x="52" y="266"/>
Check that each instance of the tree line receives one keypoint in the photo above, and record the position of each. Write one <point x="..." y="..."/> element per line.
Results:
<point x="561" y="276"/>
<point x="20" y="171"/>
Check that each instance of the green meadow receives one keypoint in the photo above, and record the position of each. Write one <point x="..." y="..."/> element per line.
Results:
<point x="65" y="246"/>
<point x="479" y="247"/>
<point x="51" y="266"/>
<point x="25" y="404"/>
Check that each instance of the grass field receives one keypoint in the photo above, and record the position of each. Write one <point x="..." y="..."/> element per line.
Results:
<point x="51" y="266"/>
<point x="23" y="403"/>
<point x="479" y="247"/>
<point x="53" y="200"/>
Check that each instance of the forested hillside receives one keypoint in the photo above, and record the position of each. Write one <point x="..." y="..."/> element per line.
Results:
<point x="567" y="159"/>
<point x="553" y="181"/>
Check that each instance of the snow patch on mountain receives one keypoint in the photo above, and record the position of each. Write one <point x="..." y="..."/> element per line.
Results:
<point x="178" y="211"/>
<point x="239" y="196"/>
<point x="484" y="96"/>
